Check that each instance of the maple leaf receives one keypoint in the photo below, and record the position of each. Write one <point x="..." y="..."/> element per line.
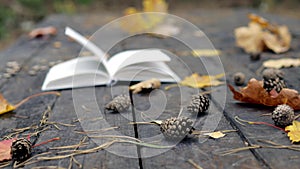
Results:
<point x="261" y="34"/>
<point x="5" y="148"/>
<point x="6" y="107"/>
<point x="281" y="63"/>
<point x="294" y="131"/>
<point x="197" y="81"/>
<point x="255" y="93"/>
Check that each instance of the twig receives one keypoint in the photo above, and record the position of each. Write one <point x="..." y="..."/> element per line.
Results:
<point x="194" y="164"/>
<point x="35" y="95"/>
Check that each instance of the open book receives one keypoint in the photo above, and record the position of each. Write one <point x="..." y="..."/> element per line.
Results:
<point x="130" y="65"/>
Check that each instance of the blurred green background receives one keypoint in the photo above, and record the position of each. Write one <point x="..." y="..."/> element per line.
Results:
<point x="19" y="16"/>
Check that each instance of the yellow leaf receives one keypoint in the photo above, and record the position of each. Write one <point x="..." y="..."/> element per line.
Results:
<point x="197" y="81"/>
<point x="294" y="131"/>
<point x="205" y="52"/>
<point x="280" y="63"/>
<point x="215" y="135"/>
<point x="144" y="22"/>
<point x="5" y="107"/>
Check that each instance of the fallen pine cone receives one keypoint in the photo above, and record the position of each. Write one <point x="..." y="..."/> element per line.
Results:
<point x="119" y="103"/>
<point x="283" y="115"/>
<point x="176" y="128"/>
<point x="21" y="149"/>
<point x="199" y="104"/>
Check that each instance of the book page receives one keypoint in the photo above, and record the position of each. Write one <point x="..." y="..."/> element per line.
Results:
<point x="87" y="44"/>
<point x="77" y="72"/>
<point x="130" y="57"/>
<point x="144" y="71"/>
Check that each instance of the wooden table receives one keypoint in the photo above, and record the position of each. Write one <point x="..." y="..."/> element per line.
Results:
<point x="218" y="25"/>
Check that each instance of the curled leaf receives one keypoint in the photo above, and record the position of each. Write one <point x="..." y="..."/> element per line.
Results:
<point x="261" y="34"/>
<point x="250" y="38"/>
<point x="255" y="93"/>
<point x="197" y="81"/>
<point x="50" y="30"/>
<point x="145" y="85"/>
<point x="215" y="135"/>
<point x="280" y="63"/>
<point x="294" y="131"/>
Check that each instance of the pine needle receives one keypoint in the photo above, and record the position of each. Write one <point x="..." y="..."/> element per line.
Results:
<point x="194" y="164"/>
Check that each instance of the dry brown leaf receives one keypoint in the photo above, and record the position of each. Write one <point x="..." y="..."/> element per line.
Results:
<point x="5" y="149"/>
<point x="215" y="135"/>
<point x="250" y="38"/>
<point x="280" y="42"/>
<point x="145" y="85"/>
<point x="281" y="63"/>
<point x="50" y="30"/>
<point x="261" y="34"/>
<point x="255" y="93"/>
<point x="294" y="131"/>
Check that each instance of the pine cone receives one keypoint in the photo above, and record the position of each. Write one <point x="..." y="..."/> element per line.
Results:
<point x="176" y="128"/>
<point x="277" y="84"/>
<point x="283" y="115"/>
<point x="273" y="79"/>
<point x="21" y="149"/>
<point x="119" y="103"/>
<point x="199" y="104"/>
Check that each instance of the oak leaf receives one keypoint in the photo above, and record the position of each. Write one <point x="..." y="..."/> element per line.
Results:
<point x="281" y="63"/>
<point x="255" y="93"/>
<point x="294" y="131"/>
<point x="5" y="148"/>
